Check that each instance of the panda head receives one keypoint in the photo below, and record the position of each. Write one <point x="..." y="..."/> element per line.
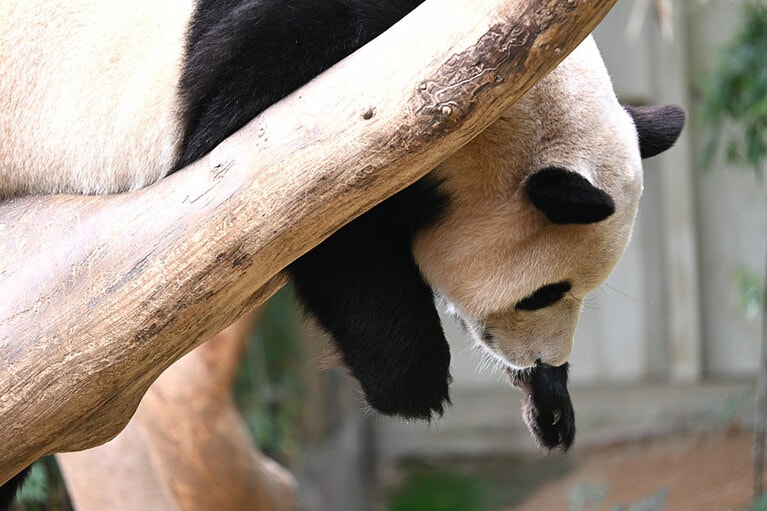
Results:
<point x="541" y="206"/>
<point x="511" y="232"/>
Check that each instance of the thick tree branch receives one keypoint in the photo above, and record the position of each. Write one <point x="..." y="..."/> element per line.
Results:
<point x="100" y="294"/>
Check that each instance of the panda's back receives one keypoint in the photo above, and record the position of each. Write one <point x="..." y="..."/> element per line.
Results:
<point x="76" y="112"/>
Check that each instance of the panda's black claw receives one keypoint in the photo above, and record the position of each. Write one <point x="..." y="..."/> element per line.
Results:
<point x="547" y="409"/>
<point x="557" y="415"/>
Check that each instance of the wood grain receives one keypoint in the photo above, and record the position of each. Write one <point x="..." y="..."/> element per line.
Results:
<point x="100" y="294"/>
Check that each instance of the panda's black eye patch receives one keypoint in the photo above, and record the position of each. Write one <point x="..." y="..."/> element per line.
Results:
<point x="545" y="296"/>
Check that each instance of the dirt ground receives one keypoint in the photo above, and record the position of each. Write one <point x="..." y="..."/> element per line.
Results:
<point x="693" y="472"/>
<point x="710" y="472"/>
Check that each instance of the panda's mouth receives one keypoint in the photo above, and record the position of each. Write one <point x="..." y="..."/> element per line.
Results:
<point x="488" y="343"/>
<point x="484" y="338"/>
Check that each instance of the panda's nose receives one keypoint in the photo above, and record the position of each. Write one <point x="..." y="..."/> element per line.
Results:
<point x="554" y="356"/>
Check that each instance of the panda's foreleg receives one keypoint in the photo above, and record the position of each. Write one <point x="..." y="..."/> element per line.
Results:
<point x="9" y="490"/>
<point x="364" y="288"/>
<point x="546" y="408"/>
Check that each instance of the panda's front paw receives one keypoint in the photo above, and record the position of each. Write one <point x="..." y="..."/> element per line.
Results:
<point x="547" y="408"/>
<point x="411" y="389"/>
<point x="417" y="401"/>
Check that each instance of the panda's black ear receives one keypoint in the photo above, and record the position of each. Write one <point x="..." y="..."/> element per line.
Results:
<point x="658" y="127"/>
<point x="567" y="197"/>
<point x="364" y="288"/>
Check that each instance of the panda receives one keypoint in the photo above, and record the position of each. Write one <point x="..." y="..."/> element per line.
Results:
<point x="509" y="234"/>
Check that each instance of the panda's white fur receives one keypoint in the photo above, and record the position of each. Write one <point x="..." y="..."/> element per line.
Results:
<point x="494" y="247"/>
<point x="88" y="93"/>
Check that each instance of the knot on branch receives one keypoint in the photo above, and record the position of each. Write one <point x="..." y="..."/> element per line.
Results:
<point x="453" y="91"/>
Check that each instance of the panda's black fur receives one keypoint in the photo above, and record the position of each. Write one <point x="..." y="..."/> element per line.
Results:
<point x="362" y="284"/>
<point x="244" y="55"/>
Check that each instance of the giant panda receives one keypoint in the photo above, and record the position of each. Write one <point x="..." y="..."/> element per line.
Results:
<point x="510" y="233"/>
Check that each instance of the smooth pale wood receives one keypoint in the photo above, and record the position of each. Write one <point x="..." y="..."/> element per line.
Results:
<point x="117" y="476"/>
<point x="188" y="418"/>
<point x="186" y="448"/>
<point x="100" y="294"/>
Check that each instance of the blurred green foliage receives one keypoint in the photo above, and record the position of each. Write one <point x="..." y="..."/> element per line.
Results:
<point x="44" y="489"/>
<point x="735" y="93"/>
<point x="442" y="491"/>
<point x="759" y="504"/>
<point x="34" y="493"/>
<point x="734" y="109"/>
<point x="751" y="292"/>
<point x="269" y="388"/>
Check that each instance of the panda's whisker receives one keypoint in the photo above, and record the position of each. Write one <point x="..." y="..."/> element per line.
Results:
<point x="484" y="360"/>
<point x="470" y="348"/>
<point x="585" y="302"/>
<point x="474" y="349"/>
<point x="491" y="362"/>
<point x="590" y="304"/>
<point x="621" y="293"/>
<point x="477" y="350"/>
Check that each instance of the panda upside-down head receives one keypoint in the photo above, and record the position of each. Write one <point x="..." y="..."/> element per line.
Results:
<point x="511" y="232"/>
<point x="541" y="207"/>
